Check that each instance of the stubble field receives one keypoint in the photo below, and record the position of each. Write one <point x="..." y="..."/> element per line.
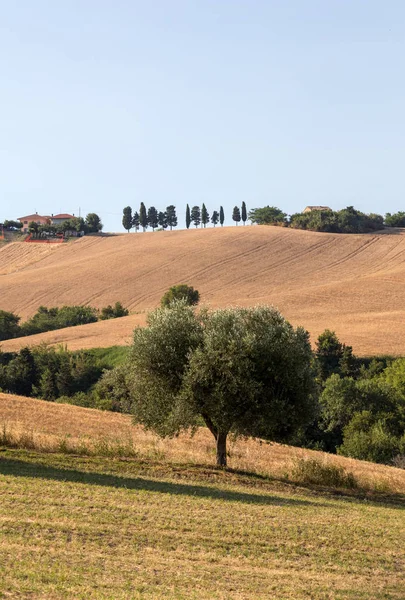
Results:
<point x="353" y="284"/>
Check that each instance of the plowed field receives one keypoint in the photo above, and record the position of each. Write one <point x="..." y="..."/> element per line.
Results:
<point x="354" y="284"/>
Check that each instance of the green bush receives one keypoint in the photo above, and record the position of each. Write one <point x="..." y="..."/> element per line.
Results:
<point x="181" y="292"/>
<point x="9" y="327"/>
<point x="366" y="438"/>
<point x="113" y="312"/>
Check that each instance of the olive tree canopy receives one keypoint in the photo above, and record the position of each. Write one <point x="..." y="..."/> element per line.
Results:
<point x="244" y="370"/>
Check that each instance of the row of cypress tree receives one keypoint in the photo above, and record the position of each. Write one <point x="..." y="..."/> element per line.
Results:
<point x="153" y="218"/>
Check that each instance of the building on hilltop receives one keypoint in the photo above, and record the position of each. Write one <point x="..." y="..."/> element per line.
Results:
<point x="43" y="220"/>
<point x="308" y="209"/>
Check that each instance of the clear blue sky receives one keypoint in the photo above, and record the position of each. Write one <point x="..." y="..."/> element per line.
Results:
<point x="106" y="103"/>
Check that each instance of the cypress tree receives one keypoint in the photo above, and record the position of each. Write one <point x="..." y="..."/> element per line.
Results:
<point x="236" y="214"/>
<point x="153" y="218"/>
<point x="244" y="213"/>
<point x="135" y="221"/>
<point x="205" y="217"/>
<point x="215" y="217"/>
<point x="143" y="217"/>
<point x="196" y="215"/>
<point x="171" y="216"/>
<point x="127" y="218"/>
<point x="188" y="217"/>
<point x="221" y="216"/>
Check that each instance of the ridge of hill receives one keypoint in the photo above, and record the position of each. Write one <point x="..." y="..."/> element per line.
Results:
<point x="353" y="284"/>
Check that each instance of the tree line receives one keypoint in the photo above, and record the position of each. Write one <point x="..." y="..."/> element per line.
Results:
<point x="347" y="220"/>
<point x="50" y="319"/>
<point x="197" y="216"/>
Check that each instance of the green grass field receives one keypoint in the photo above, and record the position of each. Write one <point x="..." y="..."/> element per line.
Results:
<point x="91" y="527"/>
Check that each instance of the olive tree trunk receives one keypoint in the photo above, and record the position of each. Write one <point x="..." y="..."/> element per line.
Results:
<point x="221" y="449"/>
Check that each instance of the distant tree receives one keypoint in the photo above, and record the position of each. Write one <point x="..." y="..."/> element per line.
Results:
<point x="221" y="216"/>
<point x="93" y="223"/>
<point x="182" y="292"/>
<point x="12" y="225"/>
<point x="162" y="219"/>
<point x="245" y="371"/>
<point x="188" y="217"/>
<point x="333" y="357"/>
<point x="9" y="327"/>
<point x="171" y="216"/>
<point x="127" y="221"/>
<point x="236" y="214"/>
<point x="215" y="217"/>
<point x="244" y="213"/>
<point x="205" y="217"/>
<point x="268" y="215"/>
<point x="196" y="215"/>
<point x="143" y="217"/>
<point x="135" y="221"/>
<point x="153" y="219"/>
<point x="33" y="228"/>
<point x="113" y="312"/>
<point x="395" y="220"/>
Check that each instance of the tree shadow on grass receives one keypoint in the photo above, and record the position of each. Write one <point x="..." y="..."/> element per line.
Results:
<point x="19" y="468"/>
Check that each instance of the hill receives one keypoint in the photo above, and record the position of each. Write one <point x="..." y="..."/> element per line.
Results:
<point x="353" y="284"/>
<point x="163" y="523"/>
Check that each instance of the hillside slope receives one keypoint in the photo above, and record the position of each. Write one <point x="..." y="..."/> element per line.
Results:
<point x="354" y="284"/>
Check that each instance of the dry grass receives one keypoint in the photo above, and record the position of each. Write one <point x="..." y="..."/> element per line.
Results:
<point x="45" y="426"/>
<point x="351" y="283"/>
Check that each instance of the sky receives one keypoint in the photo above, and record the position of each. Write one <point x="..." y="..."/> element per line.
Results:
<point x="109" y="103"/>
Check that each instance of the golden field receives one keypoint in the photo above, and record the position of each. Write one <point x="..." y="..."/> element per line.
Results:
<point x="353" y="284"/>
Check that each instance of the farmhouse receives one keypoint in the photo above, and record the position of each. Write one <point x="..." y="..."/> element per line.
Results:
<point x="43" y="220"/>
<point x="308" y="209"/>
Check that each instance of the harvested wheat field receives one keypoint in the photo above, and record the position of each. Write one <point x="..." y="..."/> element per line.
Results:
<point x="93" y="507"/>
<point x="354" y="284"/>
<point x="49" y="426"/>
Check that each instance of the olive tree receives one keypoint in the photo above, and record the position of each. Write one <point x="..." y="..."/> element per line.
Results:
<point x="245" y="371"/>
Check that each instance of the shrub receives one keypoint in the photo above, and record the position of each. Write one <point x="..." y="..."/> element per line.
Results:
<point x="113" y="312"/>
<point x="314" y="471"/>
<point x="181" y="292"/>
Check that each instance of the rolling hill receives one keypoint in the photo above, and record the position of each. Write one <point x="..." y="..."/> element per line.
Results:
<point x="353" y="284"/>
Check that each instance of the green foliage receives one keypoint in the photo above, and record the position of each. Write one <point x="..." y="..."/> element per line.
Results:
<point x="348" y="220"/>
<point x="162" y="220"/>
<point x="395" y="220"/>
<point x="205" y="217"/>
<point x="188" y="217"/>
<point x="268" y="215"/>
<point x="113" y="312"/>
<point x="93" y="223"/>
<point x="171" y="216"/>
<point x="333" y="357"/>
<point x="244" y="213"/>
<point x="215" y="217"/>
<point x="49" y="319"/>
<point x="243" y="370"/>
<point x="112" y="391"/>
<point x="10" y="225"/>
<point x="135" y="220"/>
<point x="196" y="215"/>
<point x="221" y="216"/>
<point x="127" y="221"/>
<point x="368" y="438"/>
<point x="153" y="218"/>
<point x="143" y="217"/>
<point x="49" y="373"/>
<point x="183" y="292"/>
<point x="236" y="214"/>
<point x="9" y="325"/>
